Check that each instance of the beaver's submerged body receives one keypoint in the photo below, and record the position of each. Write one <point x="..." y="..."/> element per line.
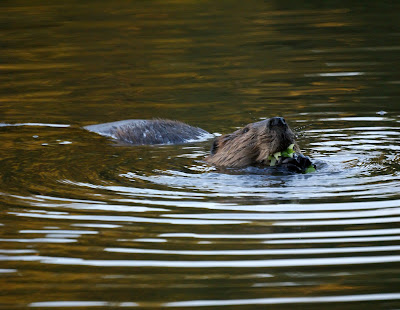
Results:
<point x="249" y="146"/>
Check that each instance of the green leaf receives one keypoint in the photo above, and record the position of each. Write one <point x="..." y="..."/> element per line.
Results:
<point x="273" y="162"/>
<point x="309" y="169"/>
<point x="277" y="155"/>
<point x="289" y="151"/>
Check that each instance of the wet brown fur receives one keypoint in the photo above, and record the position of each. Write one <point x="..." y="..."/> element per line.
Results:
<point x="252" y="144"/>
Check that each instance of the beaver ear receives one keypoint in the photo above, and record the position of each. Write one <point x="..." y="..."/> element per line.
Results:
<point x="214" y="147"/>
<point x="220" y="142"/>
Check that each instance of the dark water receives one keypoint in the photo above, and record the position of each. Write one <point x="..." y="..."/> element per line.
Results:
<point x="89" y="224"/>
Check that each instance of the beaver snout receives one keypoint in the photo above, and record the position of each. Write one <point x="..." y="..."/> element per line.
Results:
<point x="277" y="122"/>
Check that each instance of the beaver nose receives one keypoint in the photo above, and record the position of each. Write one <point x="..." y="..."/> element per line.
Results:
<point x="277" y="121"/>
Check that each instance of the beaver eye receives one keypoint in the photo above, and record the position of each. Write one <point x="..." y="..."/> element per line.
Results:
<point x="245" y="129"/>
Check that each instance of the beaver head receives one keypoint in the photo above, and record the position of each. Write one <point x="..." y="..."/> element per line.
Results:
<point x="252" y="144"/>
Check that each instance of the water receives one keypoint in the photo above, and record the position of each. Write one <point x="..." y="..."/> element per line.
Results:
<point x="87" y="223"/>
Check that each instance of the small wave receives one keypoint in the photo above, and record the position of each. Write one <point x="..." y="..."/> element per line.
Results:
<point x="35" y="124"/>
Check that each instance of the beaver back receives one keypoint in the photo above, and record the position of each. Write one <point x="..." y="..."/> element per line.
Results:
<point x="145" y="132"/>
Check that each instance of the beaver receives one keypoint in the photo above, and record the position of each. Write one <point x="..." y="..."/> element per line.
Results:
<point x="251" y="145"/>
<point x="255" y="144"/>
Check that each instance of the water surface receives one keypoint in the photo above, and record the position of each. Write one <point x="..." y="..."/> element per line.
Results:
<point x="87" y="223"/>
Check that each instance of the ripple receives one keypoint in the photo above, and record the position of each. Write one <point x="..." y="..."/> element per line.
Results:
<point x="285" y="300"/>
<point x="7" y="270"/>
<point x="35" y="124"/>
<point x="38" y="240"/>
<point x="259" y="251"/>
<point x="296" y="235"/>
<point x="226" y="302"/>
<point x="268" y="263"/>
<point x="72" y="304"/>
<point x="341" y="222"/>
<point x="335" y="74"/>
<point x="136" y="219"/>
<point x="285" y="216"/>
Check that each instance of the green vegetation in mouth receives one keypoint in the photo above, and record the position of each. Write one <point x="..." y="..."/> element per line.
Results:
<point x="289" y="152"/>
